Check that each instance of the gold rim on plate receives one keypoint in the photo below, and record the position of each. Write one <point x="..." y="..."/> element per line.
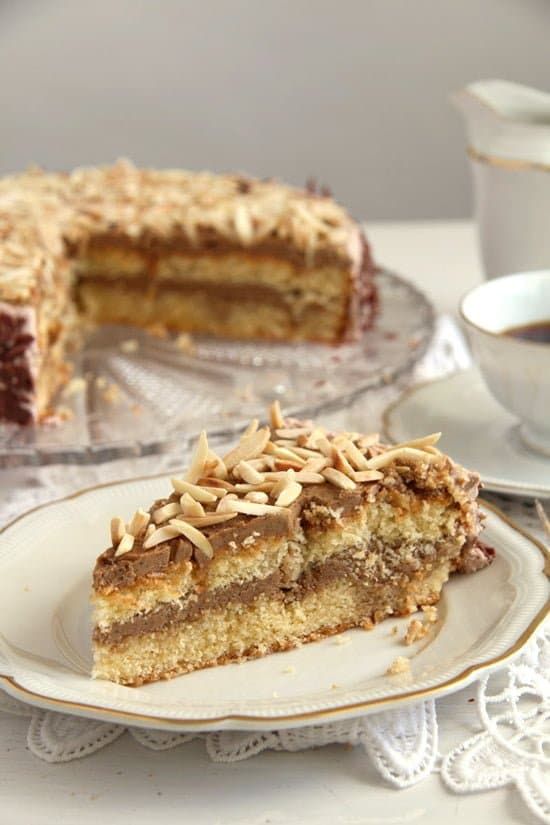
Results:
<point x="22" y="693"/>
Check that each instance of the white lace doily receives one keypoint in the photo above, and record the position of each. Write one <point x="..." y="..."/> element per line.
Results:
<point x="512" y="746"/>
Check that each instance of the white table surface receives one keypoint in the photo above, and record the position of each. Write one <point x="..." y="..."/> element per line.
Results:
<point x="334" y="785"/>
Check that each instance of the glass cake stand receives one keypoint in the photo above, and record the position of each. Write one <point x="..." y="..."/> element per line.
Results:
<point x="135" y="394"/>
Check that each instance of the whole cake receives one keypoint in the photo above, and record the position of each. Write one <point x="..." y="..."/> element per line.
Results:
<point x="191" y="252"/>
<point x="295" y="534"/>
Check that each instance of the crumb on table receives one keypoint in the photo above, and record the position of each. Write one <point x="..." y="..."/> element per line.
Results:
<point x="399" y="665"/>
<point x="415" y="630"/>
<point x="129" y="345"/>
<point x="430" y="612"/>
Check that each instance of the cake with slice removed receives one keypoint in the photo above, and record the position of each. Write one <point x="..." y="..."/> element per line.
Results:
<point x="297" y="533"/>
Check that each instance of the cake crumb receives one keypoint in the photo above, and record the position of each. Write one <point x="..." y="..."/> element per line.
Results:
<point x="415" y="630"/>
<point x="399" y="665"/>
<point x="185" y="343"/>
<point x="430" y="612"/>
<point x="74" y="387"/>
<point x="275" y="694"/>
<point x="342" y="640"/>
<point x="335" y="686"/>
<point x="395" y="630"/>
<point x="289" y="669"/>
<point x="64" y="413"/>
<point x="129" y="345"/>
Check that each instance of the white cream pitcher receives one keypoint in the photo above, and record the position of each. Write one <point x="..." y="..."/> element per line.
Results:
<point x="508" y="133"/>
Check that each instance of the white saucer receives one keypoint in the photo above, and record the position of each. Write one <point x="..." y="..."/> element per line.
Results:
<point x="477" y="432"/>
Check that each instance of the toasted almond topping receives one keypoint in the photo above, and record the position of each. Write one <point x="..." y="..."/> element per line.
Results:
<point x="307" y="454"/>
<point x="162" y="534"/>
<point x="367" y="475"/>
<point x="257" y="497"/>
<point x="195" y="536"/>
<point x="118" y="529"/>
<point x="355" y="456"/>
<point x="250" y="508"/>
<point x="215" y="466"/>
<point x="292" y="432"/>
<point x="289" y="494"/>
<point x="194" y="490"/>
<point x="215" y="485"/>
<point x="217" y="492"/>
<point x="303" y="476"/>
<point x="261" y="463"/>
<point x="150" y="530"/>
<point x="366" y="441"/>
<point x="196" y="470"/>
<point x="324" y="446"/>
<point x="252" y="427"/>
<point x="125" y="545"/>
<point x="190" y="507"/>
<point x="315" y="465"/>
<point x="286" y="479"/>
<point x="264" y="487"/>
<point x="276" y="417"/>
<point x="310" y="441"/>
<point x="248" y="473"/>
<point x="420" y="443"/>
<point x="432" y="450"/>
<point x="341" y="463"/>
<point x="401" y="454"/>
<point x="167" y="511"/>
<point x="208" y="519"/>
<point x="250" y="446"/>
<point x="339" y="479"/>
<point x="223" y="506"/>
<point x="282" y="452"/>
<point x="285" y="464"/>
<point x="139" y="522"/>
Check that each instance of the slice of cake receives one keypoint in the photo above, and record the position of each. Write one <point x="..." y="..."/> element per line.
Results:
<point x="223" y="255"/>
<point x="295" y="534"/>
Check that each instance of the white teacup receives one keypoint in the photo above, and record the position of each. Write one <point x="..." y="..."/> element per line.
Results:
<point x="517" y="371"/>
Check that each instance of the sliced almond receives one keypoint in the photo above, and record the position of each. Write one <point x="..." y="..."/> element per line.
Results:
<point x="305" y="453"/>
<point x="310" y="441"/>
<point x="223" y="503"/>
<point x="250" y="508"/>
<point x="195" y="536"/>
<point x="303" y="476"/>
<point x="354" y="454"/>
<point x="324" y="446"/>
<point x="366" y="441"/>
<point x="264" y="487"/>
<point x="276" y="417"/>
<point x="341" y="463"/>
<point x="285" y="454"/>
<point x="400" y="454"/>
<point x="363" y="476"/>
<point x="245" y="471"/>
<point x="315" y="465"/>
<point x="421" y="443"/>
<point x="285" y="480"/>
<point x="250" y="446"/>
<point x="257" y="497"/>
<point x="125" y="545"/>
<point x="196" y="470"/>
<point x="252" y="427"/>
<point x="215" y="485"/>
<point x="208" y="519"/>
<point x="195" y="491"/>
<point x="339" y="479"/>
<point x="160" y="535"/>
<point x="289" y="494"/>
<point x="118" y="529"/>
<point x="214" y="466"/>
<point x="292" y="432"/>
<point x="167" y="511"/>
<point x="139" y="522"/>
<point x="191" y="507"/>
<point x="286" y="464"/>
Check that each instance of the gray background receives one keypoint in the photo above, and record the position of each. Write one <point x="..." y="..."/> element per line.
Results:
<point x="354" y="92"/>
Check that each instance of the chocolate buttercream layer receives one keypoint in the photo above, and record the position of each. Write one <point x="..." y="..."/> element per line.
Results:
<point x="112" y="572"/>
<point x="279" y="585"/>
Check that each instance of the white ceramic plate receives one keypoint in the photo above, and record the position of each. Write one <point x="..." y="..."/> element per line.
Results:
<point x="477" y="432"/>
<point x="46" y="558"/>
